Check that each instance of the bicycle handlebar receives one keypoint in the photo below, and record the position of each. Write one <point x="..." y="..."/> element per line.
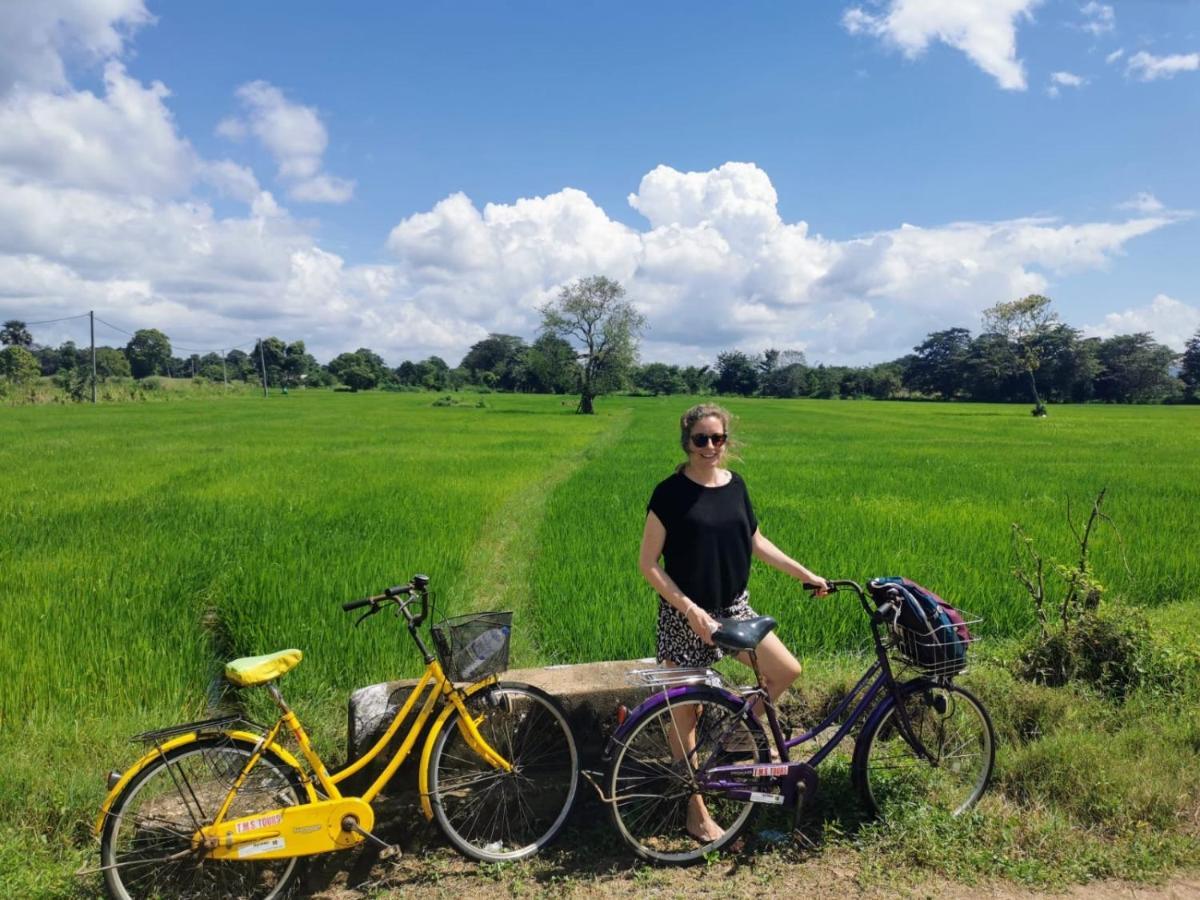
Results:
<point x="419" y="585"/>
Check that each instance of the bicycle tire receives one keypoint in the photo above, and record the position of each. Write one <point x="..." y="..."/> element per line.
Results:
<point x="953" y="725"/>
<point x="649" y="789"/>
<point x="163" y="806"/>
<point x="496" y="816"/>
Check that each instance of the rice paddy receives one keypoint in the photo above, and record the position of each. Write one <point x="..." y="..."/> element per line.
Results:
<point x="145" y="545"/>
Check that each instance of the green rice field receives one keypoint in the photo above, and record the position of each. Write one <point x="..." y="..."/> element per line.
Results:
<point x="143" y="545"/>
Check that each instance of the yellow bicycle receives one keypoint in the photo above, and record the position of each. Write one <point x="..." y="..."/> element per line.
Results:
<point x="216" y="810"/>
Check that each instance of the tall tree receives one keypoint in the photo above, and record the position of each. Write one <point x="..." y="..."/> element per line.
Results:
<point x="1135" y="369"/>
<point x="737" y="373"/>
<point x="551" y="366"/>
<point x="149" y="353"/>
<point x="1023" y="322"/>
<point x="594" y="313"/>
<point x="15" y="334"/>
<point x="1189" y="368"/>
<point x="937" y="366"/>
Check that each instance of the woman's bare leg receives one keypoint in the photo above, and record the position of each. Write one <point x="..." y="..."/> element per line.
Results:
<point x="700" y="823"/>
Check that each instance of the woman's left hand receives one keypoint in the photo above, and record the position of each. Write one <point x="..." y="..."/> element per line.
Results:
<point x="818" y="585"/>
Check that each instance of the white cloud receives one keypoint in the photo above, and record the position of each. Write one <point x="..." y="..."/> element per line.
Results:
<point x="39" y="37"/>
<point x="1171" y="321"/>
<point x="1064" y="79"/>
<point x="1115" y="55"/>
<point x="718" y="266"/>
<point x="123" y="142"/>
<point x="1143" y="202"/>
<point x="294" y="136"/>
<point x="1099" y="18"/>
<point x="1147" y="67"/>
<point x="985" y="30"/>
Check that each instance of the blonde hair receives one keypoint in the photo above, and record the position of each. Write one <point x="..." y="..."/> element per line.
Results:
<point x="702" y="411"/>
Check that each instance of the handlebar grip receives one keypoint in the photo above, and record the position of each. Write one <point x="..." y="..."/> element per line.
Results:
<point x="357" y="604"/>
<point x="398" y="590"/>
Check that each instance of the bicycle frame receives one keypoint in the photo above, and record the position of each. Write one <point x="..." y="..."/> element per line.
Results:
<point x="322" y="822"/>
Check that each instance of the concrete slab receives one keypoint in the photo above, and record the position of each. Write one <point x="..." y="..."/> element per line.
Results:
<point x="589" y="692"/>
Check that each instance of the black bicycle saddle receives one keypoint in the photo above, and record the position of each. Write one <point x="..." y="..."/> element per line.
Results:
<point x="743" y="634"/>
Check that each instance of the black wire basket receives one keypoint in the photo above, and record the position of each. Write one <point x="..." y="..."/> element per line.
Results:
<point x="474" y="646"/>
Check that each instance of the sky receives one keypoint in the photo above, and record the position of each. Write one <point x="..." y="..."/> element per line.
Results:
<point x="839" y="178"/>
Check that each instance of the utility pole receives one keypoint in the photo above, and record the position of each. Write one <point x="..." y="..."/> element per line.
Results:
<point x="263" y="361"/>
<point x="92" y="323"/>
<point x="224" y="374"/>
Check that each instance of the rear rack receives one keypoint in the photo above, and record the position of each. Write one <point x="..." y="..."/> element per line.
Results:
<point x="670" y="676"/>
<point x="220" y="723"/>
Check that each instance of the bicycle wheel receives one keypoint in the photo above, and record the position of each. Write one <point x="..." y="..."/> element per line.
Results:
<point x="651" y="781"/>
<point x="954" y="729"/>
<point x="146" y="844"/>
<point x="492" y="815"/>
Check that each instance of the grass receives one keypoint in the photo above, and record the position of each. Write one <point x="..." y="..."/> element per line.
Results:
<point x="146" y="544"/>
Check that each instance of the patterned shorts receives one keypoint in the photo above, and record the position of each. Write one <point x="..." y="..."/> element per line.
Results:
<point x="677" y="642"/>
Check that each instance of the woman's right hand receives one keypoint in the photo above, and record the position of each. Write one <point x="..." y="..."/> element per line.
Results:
<point x="701" y="622"/>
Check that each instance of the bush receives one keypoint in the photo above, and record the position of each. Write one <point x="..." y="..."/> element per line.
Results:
<point x="1111" y="652"/>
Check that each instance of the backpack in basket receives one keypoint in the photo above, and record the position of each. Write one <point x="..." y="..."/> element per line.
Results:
<point x="929" y="631"/>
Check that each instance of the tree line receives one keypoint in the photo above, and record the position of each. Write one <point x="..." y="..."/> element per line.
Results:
<point x="588" y="345"/>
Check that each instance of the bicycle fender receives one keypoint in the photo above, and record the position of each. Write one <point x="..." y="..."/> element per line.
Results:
<point x="658" y="698"/>
<point x="434" y="730"/>
<point x="191" y="738"/>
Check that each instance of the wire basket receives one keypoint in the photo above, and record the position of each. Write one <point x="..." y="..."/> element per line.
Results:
<point x="474" y="646"/>
<point x="941" y="651"/>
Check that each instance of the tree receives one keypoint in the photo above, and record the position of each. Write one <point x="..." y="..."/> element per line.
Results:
<point x="737" y="373"/>
<point x="659" y="378"/>
<point x="503" y="355"/>
<point x="1022" y="322"/>
<point x="593" y="312"/>
<point x="551" y="366"/>
<point x="786" y="381"/>
<point x="15" y="334"/>
<point x="936" y="369"/>
<point x="18" y="366"/>
<point x="698" y="379"/>
<point x="1135" y="369"/>
<point x="149" y="353"/>
<point x="110" y="363"/>
<point x="356" y="371"/>
<point x="1189" y="369"/>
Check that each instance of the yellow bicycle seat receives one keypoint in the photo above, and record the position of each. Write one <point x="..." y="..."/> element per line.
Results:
<point x="251" y="670"/>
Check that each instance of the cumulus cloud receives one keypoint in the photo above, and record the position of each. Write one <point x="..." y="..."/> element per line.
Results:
<point x="124" y="142"/>
<point x="718" y="266"/>
<point x="1147" y="67"/>
<point x="1115" y="55"/>
<point x="294" y="136"/>
<point x="39" y="39"/>
<point x="985" y="30"/>
<point x="1171" y="321"/>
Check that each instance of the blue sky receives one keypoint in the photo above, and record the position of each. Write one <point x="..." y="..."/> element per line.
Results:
<point x="839" y="178"/>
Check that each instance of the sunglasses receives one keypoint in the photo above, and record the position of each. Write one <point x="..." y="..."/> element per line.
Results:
<point x="701" y="440"/>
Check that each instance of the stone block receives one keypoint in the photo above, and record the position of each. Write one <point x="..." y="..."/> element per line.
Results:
<point x="589" y="693"/>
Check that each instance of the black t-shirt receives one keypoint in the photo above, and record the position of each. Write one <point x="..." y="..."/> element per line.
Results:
<point x="709" y="537"/>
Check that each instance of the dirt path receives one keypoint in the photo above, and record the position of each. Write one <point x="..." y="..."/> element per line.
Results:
<point x="833" y="875"/>
<point x="498" y="567"/>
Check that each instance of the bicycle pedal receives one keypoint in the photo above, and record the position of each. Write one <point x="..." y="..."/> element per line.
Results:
<point x="387" y="851"/>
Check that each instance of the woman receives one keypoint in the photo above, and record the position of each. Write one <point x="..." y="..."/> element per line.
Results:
<point x="700" y="522"/>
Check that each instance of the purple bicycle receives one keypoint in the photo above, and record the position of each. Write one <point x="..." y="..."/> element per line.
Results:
<point x="923" y="740"/>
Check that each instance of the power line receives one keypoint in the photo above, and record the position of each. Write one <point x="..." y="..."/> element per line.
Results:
<point x="52" y="321"/>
